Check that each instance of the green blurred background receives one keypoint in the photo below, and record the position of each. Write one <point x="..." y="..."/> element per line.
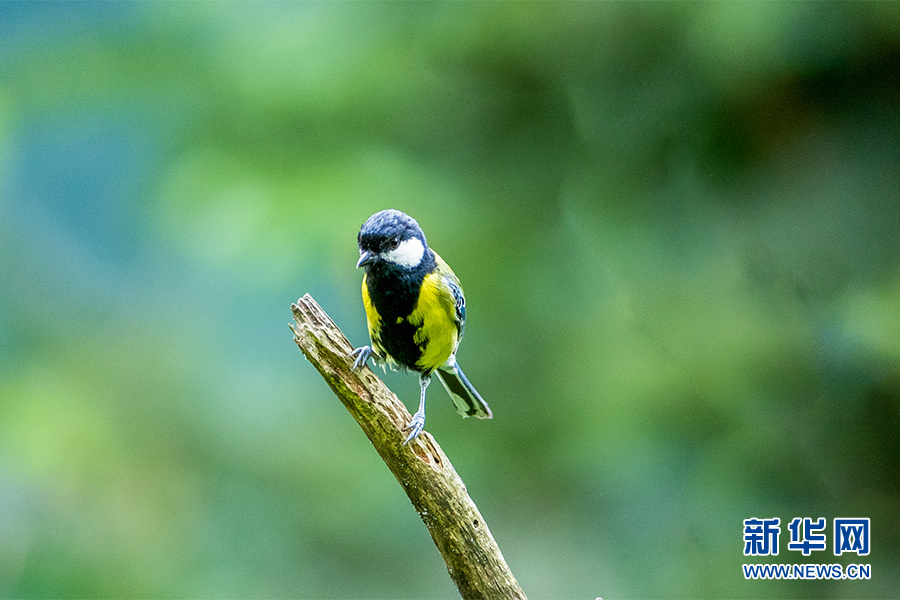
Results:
<point x="678" y="228"/>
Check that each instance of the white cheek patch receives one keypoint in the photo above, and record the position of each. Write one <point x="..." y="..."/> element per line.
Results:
<point x="408" y="254"/>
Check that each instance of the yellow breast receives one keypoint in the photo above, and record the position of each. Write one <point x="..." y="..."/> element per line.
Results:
<point x="373" y="319"/>
<point x="435" y="318"/>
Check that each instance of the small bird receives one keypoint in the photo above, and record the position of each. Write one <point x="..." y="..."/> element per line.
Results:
<point x="415" y="311"/>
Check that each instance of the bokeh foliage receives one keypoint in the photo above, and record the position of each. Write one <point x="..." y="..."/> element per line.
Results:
<point x="677" y="225"/>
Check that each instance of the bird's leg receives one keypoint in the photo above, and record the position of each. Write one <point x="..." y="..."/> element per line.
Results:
<point x="363" y="354"/>
<point x="418" y="419"/>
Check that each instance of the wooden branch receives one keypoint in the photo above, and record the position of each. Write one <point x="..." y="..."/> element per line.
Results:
<point x="473" y="559"/>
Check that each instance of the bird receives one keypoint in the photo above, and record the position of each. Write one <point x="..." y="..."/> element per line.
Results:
<point x="415" y="312"/>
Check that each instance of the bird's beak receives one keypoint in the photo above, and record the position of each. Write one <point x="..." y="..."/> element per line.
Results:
<point x="365" y="258"/>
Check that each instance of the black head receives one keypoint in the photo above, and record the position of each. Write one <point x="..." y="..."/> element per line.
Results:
<point x="391" y="236"/>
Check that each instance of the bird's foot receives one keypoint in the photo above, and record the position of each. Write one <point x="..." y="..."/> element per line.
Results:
<point x="415" y="427"/>
<point x="362" y="354"/>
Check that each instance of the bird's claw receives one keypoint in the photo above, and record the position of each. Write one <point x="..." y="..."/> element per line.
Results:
<point x="362" y="354"/>
<point x="416" y="424"/>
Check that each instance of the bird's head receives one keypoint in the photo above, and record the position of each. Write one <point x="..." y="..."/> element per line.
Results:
<point x="392" y="237"/>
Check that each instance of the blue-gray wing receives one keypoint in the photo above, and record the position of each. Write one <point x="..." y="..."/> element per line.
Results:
<point x="460" y="301"/>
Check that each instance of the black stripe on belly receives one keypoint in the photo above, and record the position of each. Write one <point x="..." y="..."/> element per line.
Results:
<point x="397" y="341"/>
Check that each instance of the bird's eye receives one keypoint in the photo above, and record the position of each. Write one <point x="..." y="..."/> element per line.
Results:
<point x="393" y="243"/>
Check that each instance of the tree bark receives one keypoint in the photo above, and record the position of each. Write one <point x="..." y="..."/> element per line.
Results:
<point x="473" y="558"/>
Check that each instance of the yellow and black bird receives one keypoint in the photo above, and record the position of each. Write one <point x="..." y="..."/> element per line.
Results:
<point x="415" y="311"/>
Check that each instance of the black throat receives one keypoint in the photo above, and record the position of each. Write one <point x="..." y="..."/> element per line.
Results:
<point x="394" y="290"/>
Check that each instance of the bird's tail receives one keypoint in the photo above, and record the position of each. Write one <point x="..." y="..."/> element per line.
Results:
<point x="466" y="398"/>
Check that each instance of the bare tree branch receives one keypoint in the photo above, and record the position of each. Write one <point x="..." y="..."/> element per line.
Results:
<point x="473" y="559"/>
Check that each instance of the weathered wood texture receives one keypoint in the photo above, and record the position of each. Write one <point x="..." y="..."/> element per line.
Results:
<point x="473" y="558"/>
